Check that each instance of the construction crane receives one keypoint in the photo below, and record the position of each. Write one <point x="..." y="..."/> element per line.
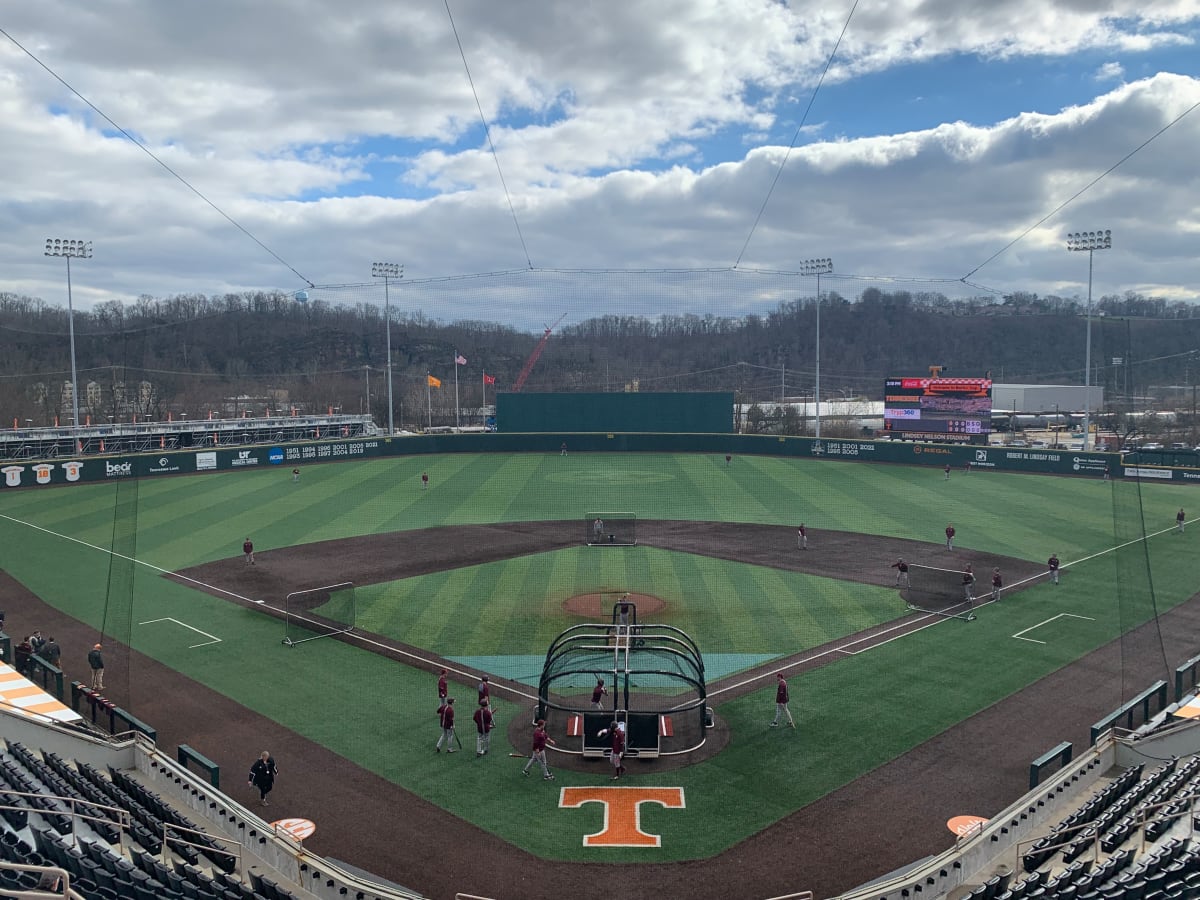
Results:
<point x="533" y="357"/>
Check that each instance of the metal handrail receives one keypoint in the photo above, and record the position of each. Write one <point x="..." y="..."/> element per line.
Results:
<point x="37" y="894"/>
<point x="170" y="841"/>
<point x="123" y="821"/>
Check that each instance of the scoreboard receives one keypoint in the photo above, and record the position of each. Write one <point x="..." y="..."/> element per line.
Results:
<point x="938" y="407"/>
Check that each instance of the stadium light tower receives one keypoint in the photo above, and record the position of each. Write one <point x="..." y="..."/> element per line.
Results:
<point x="1091" y="241"/>
<point x="388" y="271"/>
<point x="817" y="267"/>
<point x="69" y="250"/>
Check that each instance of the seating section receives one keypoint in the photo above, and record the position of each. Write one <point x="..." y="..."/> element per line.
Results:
<point x="40" y="832"/>
<point x="1118" y="845"/>
<point x="1061" y="834"/>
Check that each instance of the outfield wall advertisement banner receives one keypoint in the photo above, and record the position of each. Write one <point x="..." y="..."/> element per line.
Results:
<point x="95" y="469"/>
<point x="966" y="458"/>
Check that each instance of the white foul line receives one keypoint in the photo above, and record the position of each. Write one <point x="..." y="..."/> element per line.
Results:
<point x="215" y="640"/>
<point x="139" y="562"/>
<point x="1047" y="622"/>
<point x="358" y="637"/>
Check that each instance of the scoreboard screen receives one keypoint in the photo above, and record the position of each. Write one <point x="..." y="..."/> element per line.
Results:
<point x="938" y="406"/>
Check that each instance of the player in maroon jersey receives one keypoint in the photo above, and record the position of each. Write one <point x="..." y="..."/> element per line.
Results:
<point x="446" y="718"/>
<point x="598" y="693"/>
<point x="483" y="727"/>
<point x="781" y="702"/>
<point x="950" y="532"/>
<point x="442" y="691"/>
<point x="901" y="568"/>
<point x="1052" y="563"/>
<point x="997" y="583"/>
<point x="616" y="734"/>
<point x="1180" y="518"/>
<point x="802" y="537"/>
<point x="968" y="583"/>
<point x="947" y="470"/>
<point x="538" y="753"/>
<point x="248" y="551"/>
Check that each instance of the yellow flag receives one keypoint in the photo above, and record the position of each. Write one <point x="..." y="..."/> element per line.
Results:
<point x="434" y="382"/>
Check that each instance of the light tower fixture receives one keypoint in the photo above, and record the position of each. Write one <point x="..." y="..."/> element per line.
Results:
<point x="69" y="250"/>
<point x="1089" y="241"/>
<point x="388" y="271"/>
<point x="818" y="267"/>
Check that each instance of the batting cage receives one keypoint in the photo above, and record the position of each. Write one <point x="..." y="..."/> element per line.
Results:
<point x="319" y="612"/>
<point x="601" y="529"/>
<point x="648" y="678"/>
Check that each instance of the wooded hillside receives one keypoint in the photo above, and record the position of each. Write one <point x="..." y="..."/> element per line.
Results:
<point x="254" y="350"/>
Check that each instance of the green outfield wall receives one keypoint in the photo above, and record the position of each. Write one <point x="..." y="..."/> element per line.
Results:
<point x="701" y="412"/>
<point x="962" y="459"/>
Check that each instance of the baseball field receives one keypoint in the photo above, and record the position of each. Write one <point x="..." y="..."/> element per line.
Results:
<point x="478" y="572"/>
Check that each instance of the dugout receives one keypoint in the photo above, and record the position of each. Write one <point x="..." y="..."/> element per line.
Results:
<point x="700" y="412"/>
<point x="655" y="680"/>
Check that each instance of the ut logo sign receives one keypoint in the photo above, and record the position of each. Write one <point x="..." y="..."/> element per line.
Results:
<point x="622" y="812"/>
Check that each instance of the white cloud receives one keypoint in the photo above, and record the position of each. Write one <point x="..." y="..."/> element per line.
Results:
<point x="605" y="117"/>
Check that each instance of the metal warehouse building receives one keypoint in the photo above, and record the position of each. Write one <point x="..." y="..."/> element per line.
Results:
<point x="1045" y="398"/>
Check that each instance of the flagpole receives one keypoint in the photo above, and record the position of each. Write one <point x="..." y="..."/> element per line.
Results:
<point x="457" y="423"/>
<point x="483" y="406"/>
<point x="429" y="398"/>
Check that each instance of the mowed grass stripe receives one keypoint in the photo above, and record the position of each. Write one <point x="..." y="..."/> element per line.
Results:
<point x="378" y="498"/>
<point x="517" y="489"/>
<point x="715" y="491"/>
<point x="716" y="621"/>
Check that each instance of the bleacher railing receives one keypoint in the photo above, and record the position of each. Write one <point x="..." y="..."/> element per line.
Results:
<point x="123" y="820"/>
<point x="169" y="841"/>
<point x="64" y="888"/>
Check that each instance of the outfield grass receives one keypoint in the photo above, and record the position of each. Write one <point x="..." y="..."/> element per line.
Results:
<point x="849" y="723"/>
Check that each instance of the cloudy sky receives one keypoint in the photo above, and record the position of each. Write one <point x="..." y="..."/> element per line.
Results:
<point x="630" y="135"/>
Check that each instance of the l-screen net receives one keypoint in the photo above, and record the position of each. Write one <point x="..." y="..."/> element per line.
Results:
<point x="319" y="612"/>
<point x="941" y="592"/>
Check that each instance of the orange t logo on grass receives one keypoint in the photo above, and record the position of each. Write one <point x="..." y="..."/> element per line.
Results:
<point x="622" y="812"/>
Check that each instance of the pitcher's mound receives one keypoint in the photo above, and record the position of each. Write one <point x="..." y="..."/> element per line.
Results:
<point x="598" y="607"/>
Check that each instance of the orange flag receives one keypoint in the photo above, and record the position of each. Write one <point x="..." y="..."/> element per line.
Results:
<point x="434" y="382"/>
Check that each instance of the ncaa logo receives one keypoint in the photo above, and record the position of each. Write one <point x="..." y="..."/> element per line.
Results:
<point x="275" y="456"/>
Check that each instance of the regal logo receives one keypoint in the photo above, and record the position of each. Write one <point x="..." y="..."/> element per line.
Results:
<point x="117" y="470"/>
<point x="622" y="812"/>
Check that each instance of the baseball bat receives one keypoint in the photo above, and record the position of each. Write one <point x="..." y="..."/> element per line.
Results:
<point x="518" y="755"/>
